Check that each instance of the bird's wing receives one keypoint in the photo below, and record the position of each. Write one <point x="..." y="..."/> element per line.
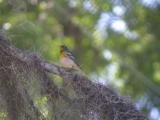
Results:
<point x="70" y="55"/>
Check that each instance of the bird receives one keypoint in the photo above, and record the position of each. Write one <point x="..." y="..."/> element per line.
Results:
<point x="67" y="59"/>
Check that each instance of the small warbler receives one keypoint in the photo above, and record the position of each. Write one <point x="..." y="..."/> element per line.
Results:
<point x="67" y="59"/>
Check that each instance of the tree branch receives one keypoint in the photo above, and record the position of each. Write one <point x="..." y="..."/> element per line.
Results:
<point x="94" y="98"/>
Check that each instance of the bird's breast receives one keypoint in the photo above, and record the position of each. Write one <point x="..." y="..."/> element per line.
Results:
<point x="66" y="62"/>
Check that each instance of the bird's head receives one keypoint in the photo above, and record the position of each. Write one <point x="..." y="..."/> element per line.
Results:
<point x="63" y="48"/>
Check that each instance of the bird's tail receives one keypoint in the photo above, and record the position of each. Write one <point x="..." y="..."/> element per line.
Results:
<point x="80" y="70"/>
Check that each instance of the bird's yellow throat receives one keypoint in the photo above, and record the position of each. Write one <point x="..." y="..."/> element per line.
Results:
<point x="62" y="53"/>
